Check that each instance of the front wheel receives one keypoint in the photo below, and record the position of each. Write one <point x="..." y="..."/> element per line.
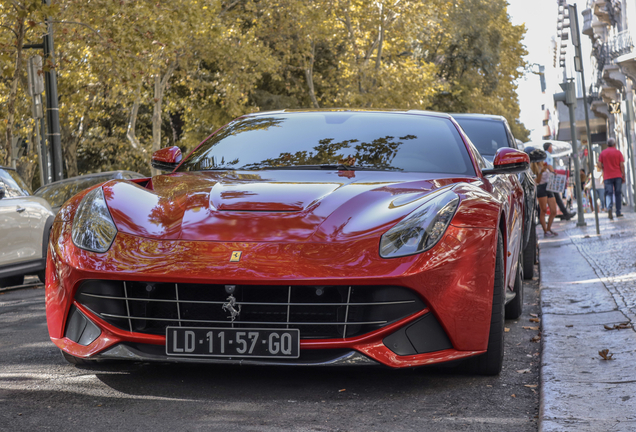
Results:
<point x="491" y="361"/>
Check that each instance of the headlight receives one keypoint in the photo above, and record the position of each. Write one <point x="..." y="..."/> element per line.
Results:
<point x="93" y="227"/>
<point x="422" y="229"/>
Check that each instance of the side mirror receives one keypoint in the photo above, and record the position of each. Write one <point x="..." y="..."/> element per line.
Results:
<point x="166" y="159"/>
<point x="508" y="161"/>
<point x="3" y="190"/>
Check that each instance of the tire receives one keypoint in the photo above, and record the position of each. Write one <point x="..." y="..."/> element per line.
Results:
<point x="11" y="281"/>
<point x="76" y="360"/>
<point x="491" y="361"/>
<point x="530" y="254"/>
<point x="515" y="307"/>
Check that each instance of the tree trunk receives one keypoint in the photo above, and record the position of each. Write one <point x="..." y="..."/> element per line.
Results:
<point x="72" y="140"/>
<point x="132" y="122"/>
<point x="26" y="167"/>
<point x="160" y="86"/>
<point x="378" y="59"/>
<point x="309" y="76"/>
<point x="69" y="149"/>
<point x="13" y="92"/>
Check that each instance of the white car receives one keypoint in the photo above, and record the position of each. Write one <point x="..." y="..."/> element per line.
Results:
<point x="25" y="222"/>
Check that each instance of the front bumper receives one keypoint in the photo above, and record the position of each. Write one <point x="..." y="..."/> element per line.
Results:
<point x="454" y="280"/>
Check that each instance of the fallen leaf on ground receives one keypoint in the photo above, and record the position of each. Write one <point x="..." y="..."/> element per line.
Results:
<point x="621" y="326"/>
<point x="569" y="325"/>
<point x="605" y="354"/>
<point x="537" y="338"/>
<point x="530" y="328"/>
<point x="342" y="390"/>
<point x="523" y="371"/>
<point x="513" y="395"/>
<point x="534" y="315"/>
<point x="531" y="386"/>
<point x="506" y="329"/>
<point x="534" y="320"/>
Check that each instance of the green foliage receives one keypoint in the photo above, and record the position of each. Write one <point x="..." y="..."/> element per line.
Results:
<point x="479" y="58"/>
<point x="214" y="60"/>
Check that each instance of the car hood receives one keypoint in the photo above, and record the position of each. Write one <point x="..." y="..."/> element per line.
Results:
<point x="269" y="206"/>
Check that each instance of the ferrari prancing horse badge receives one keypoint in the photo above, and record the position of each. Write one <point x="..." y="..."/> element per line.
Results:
<point x="236" y="256"/>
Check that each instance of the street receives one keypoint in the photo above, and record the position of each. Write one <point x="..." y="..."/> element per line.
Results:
<point x="40" y="391"/>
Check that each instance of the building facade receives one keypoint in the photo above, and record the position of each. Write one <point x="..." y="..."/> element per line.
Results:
<point x="613" y="76"/>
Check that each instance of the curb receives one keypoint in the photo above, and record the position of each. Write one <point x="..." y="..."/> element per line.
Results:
<point x="19" y="287"/>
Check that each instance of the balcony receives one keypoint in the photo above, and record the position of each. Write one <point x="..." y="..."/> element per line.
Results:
<point x="620" y="44"/>
<point x="601" y="12"/>
<point x="587" y="22"/>
<point x="613" y="76"/>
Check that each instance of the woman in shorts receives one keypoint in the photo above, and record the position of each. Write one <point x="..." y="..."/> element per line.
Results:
<point x="545" y="197"/>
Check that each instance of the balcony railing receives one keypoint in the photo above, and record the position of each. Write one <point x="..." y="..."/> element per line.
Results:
<point x="620" y="44"/>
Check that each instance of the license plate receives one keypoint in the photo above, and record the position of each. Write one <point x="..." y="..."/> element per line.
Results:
<point x="232" y="342"/>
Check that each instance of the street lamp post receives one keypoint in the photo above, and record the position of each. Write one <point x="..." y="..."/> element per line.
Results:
<point x="51" y="157"/>
<point x="578" y="66"/>
<point x="568" y="97"/>
<point x="52" y="111"/>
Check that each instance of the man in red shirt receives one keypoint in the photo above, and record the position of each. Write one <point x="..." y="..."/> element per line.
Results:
<point x="613" y="165"/>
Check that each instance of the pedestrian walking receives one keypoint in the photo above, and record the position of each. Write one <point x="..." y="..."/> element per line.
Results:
<point x="545" y="197"/>
<point x="598" y="184"/>
<point x="549" y="160"/>
<point x="612" y="163"/>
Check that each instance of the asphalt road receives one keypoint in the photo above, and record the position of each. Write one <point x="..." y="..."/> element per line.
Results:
<point x="40" y="391"/>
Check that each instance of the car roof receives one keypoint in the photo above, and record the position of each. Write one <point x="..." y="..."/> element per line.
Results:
<point x="476" y="116"/>
<point x="7" y="168"/>
<point x="365" y="110"/>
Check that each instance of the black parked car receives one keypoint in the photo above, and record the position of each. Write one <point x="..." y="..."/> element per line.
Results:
<point x="489" y="133"/>
<point x="57" y="193"/>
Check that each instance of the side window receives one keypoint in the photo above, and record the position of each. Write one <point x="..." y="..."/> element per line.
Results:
<point x="13" y="188"/>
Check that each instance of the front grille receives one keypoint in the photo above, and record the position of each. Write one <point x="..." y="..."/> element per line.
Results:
<point x="317" y="311"/>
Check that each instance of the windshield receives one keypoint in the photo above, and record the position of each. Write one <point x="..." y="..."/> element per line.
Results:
<point x="487" y="135"/>
<point x="58" y="193"/>
<point x="335" y="140"/>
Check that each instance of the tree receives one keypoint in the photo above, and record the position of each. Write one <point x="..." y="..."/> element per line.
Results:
<point x="19" y="21"/>
<point x="136" y="76"/>
<point x="479" y="57"/>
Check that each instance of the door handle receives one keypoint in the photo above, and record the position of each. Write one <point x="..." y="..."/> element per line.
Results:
<point x="20" y="209"/>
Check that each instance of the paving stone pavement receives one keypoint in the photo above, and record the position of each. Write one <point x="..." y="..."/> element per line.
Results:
<point x="588" y="284"/>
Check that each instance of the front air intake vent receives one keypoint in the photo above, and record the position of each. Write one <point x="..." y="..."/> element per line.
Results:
<point x="320" y="312"/>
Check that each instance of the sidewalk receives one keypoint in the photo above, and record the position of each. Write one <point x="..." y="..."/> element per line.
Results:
<point x="588" y="282"/>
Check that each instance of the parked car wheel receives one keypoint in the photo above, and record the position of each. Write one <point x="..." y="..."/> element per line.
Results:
<point x="515" y="307"/>
<point x="530" y="254"/>
<point x="11" y="281"/>
<point x="491" y="361"/>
